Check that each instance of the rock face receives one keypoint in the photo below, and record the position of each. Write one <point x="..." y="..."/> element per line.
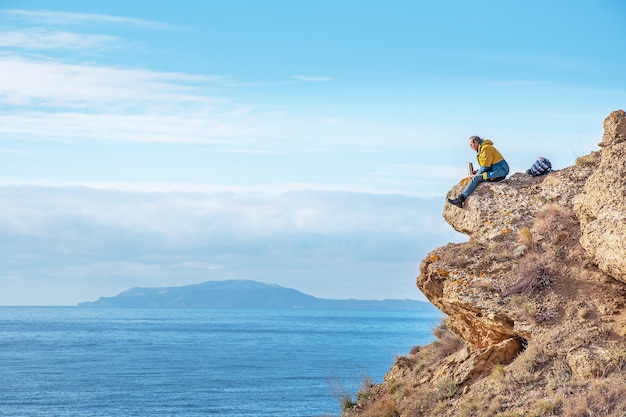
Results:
<point x="537" y="293"/>
<point x="601" y="207"/>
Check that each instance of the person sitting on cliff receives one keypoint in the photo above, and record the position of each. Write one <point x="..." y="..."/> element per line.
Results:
<point x="493" y="167"/>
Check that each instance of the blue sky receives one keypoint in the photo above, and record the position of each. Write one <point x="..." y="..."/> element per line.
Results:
<point x="303" y="143"/>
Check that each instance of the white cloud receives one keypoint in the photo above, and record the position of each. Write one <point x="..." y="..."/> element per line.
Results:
<point x="70" y="126"/>
<point x="42" y="39"/>
<point x="198" y="215"/>
<point x="68" y="18"/>
<point x="42" y="83"/>
<point x="55" y="100"/>
<point x="59" y="101"/>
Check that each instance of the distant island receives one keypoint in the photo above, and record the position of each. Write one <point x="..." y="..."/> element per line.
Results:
<point x="242" y="294"/>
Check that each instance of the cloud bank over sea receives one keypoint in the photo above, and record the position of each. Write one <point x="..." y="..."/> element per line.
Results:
<point x="81" y="243"/>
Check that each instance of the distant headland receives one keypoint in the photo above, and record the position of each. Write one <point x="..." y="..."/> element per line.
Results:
<point x="242" y="294"/>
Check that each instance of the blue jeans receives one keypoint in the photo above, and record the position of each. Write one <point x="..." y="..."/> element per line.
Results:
<point x="497" y="172"/>
<point x="477" y="179"/>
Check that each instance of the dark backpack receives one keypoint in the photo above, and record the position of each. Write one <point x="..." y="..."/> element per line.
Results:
<point x="541" y="167"/>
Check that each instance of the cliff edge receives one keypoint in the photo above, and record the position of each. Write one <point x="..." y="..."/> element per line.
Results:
<point x="535" y="300"/>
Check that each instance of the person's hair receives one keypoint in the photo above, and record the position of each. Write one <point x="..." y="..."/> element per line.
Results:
<point x="474" y="139"/>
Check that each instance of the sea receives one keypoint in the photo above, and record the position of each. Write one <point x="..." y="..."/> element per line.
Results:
<point x="90" y="362"/>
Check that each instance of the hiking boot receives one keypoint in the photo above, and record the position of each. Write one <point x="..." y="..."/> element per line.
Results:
<point x="457" y="201"/>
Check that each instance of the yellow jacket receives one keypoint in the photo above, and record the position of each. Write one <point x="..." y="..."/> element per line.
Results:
<point x="487" y="154"/>
<point x="492" y="164"/>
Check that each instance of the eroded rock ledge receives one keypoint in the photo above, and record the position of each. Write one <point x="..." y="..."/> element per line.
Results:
<point x="566" y="231"/>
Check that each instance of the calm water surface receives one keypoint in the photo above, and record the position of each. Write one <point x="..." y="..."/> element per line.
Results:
<point x="64" y="361"/>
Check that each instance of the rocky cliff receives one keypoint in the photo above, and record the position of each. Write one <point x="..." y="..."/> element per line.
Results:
<point x="535" y="300"/>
